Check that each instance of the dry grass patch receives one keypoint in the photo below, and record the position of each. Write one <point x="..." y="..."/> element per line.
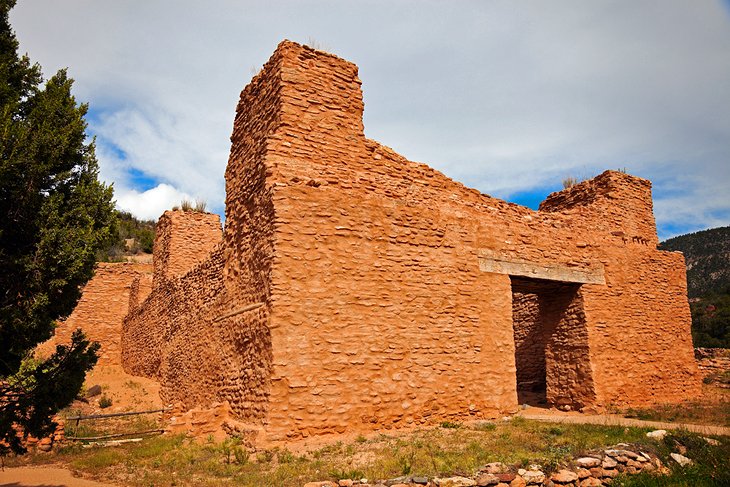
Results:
<point x="713" y="408"/>
<point x="176" y="460"/>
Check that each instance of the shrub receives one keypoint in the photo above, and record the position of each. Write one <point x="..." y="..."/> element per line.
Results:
<point x="105" y="401"/>
<point x="186" y="205"/>
<point x="569" y="182"/>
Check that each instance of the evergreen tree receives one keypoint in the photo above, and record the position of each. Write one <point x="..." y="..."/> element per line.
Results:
<point x="56" y="216"/>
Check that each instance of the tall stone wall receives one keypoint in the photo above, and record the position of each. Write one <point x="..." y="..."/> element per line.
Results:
<point x="205" y="333"/>
<point x="355" y="289"/>
<point x="102" y="307"/>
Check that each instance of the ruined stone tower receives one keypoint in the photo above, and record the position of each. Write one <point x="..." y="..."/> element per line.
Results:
<point x="353" y="289"/>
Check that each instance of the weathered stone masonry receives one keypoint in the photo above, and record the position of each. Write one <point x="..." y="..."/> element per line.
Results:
<point x="102" y="307"/>
<point x="354" y="289"/>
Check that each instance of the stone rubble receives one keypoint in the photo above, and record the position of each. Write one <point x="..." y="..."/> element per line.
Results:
<point x="594" y="470"/>
<point x="657" y="434"/>
<point x="681" y="459"/>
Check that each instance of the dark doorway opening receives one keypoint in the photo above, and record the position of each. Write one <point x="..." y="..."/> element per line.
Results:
<point x="551" y="344"/>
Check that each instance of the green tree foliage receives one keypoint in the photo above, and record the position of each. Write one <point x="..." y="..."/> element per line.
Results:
<point x="40" y="389"/>
<point x="140" y="232"/>
<point x="711" y="320"/>
<point x="707" y="254"/>
<point x="56" y="216"/>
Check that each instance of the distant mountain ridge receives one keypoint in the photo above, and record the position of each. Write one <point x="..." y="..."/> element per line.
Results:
<point x="707" y="254"/>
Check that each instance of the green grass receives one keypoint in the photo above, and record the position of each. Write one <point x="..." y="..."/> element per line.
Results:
<point x="177" y="460"/>
<point x="711" y="467"/>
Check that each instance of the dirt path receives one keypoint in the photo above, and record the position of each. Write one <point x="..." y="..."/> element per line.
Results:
<point x="43" y="476"/>
<point x="614" y="420"/>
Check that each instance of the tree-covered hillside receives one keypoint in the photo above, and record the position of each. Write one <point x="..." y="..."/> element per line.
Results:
<point x="134" y="237"/>
<point x="707" y="254"/>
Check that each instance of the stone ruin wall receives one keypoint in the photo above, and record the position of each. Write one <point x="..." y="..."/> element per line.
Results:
<point x="176" y="335"/>
<point x="222" y="341"/>
<point x="355" y="289"/>
<point x="183" y="239"/>
<point x="102" y="307"/>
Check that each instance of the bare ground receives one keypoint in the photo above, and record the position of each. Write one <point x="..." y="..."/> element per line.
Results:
<point x="43" y="476"/>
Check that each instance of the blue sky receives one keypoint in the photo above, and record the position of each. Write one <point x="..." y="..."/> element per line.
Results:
<point x="509" y="97"/>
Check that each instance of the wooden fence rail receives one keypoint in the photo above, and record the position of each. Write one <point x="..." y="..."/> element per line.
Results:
<point x="115" y="415"/>
<point x="80" y="418"/>
<point x="115" y="435"/>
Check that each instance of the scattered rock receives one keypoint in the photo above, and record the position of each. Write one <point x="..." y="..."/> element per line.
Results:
<point x="609" y="462"/>
<point x="681" y="459"/>
<point x="94" y="390"/>
<point x="534" y="477"/>
<point x="345" y="483"/>
<point x="591" y="482"/>
<point x="506" y="477"/>
<point x="420" y="480"/>
<point x="45" y="445"/>
<point x="494" y="468"/>
<point x="588" y="462"/>
<point x="486" y="479"/>
<point x="583" y="473"/>
<point x="657" y="434"/>
<point x="564" y="477"/>
<point x="518" y="482"/>
<point x="711" y="441"/>
<point x="455" y="482"/>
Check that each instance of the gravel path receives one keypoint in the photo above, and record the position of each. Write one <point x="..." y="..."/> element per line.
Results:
<point x="43" y="476"/>
<point x="612" y="419"/>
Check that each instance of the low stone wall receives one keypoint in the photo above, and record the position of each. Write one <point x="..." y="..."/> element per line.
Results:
<point x="45" y="445"/>
<point x="593" y="470"/>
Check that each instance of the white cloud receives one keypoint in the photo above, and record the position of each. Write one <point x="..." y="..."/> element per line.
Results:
<point x="150" y="204"/>
<point x="504" y="96"/>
